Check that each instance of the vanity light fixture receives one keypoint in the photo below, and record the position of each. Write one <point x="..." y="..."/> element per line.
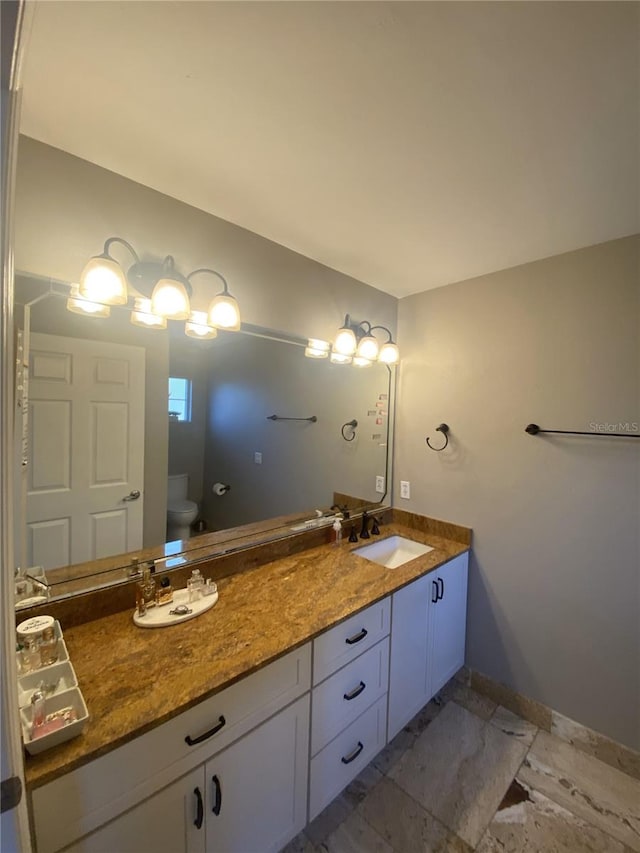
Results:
<point x="358" y="340"/>
<point x="78" y="305"/>
<point x="142" y="315"/>
<point x="159" y="291"/>
<point x="317" y="348"/>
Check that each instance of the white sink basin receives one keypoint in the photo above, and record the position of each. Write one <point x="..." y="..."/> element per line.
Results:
<point x="392" y="552"/>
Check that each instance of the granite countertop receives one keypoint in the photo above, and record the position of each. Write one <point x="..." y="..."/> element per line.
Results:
<point x="133" y="679"/>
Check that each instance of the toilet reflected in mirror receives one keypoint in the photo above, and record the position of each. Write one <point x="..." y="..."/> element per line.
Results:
<point x="181" y="512"/>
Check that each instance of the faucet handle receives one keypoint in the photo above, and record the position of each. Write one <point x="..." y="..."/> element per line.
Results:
<point x="375" y="527"/>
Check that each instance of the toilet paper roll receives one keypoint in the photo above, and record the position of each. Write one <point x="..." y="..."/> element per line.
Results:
<point x="220" y="489"/>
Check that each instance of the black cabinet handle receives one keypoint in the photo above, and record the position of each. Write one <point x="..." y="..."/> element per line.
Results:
<point x="357" y="637"/>
<point x="193" y="741"/>
<point x="355" y="692"/>
<point x="434" y="591"/>
<point x="347" y="759"/>
<point x="440" y="581"/>
<point x="217" y="803"/>
<point x="200" y="813"/>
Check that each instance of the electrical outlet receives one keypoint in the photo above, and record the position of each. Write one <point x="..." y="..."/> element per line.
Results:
<point x="405" y="489"/>
<point x="257" y="458"/>
<point x="380" y="485"/>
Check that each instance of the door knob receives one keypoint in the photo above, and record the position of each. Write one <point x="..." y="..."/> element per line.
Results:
<point x="133" y="495"/>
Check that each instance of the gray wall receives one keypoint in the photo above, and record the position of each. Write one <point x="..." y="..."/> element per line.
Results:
<point x="303" y="463"/>
<point x="66" y="208"/>
<point x="554" y="581"/>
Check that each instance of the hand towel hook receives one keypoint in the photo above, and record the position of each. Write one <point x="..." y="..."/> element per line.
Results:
<point x="352" y="426"/>
<point x="444" y="429"/>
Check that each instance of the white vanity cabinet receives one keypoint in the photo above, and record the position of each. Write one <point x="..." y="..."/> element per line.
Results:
<point x="428" y="631"/>
<point x="349" y="701"/>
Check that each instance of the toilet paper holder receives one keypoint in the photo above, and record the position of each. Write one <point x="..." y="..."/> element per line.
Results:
<point x="220" y="489"/>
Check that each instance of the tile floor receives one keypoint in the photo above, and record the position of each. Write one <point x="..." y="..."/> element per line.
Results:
<point x="467" y="775"/>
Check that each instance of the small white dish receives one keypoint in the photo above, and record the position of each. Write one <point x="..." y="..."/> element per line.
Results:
<point x="61" y="674"/>
<point x="161" y="617"/>
<point x="67" y="698"/>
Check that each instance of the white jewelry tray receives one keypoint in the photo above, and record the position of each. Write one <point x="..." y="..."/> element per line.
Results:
<point x="160" y="615"/>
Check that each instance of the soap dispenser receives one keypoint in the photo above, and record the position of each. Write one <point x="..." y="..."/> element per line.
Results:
<point x="337" y="532"/>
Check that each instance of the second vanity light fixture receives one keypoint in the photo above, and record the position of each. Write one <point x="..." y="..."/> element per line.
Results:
<point x="159" y="291"/>
<point x="356" y="344"/>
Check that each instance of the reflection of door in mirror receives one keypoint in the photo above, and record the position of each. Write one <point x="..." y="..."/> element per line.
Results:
<point x="86" y="450"/>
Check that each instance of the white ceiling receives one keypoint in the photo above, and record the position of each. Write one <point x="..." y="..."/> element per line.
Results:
<point x="409" y="145"/>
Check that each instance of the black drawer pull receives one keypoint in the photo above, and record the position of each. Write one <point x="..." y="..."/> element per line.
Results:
<point x="217" y="804"/>
<point x="434" y="591"/>
<point x="440" y="581"/>
<point x="355" y="692"/>
<point x="347" y="759"/>
<point x="193" y="741"/>
<point x="357" y="637"/>
<point x="200" y="813"/>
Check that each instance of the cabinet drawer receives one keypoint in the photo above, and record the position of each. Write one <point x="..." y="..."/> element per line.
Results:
<point x="347" y="693"/>
<point x="350" y="638"/>
<point x="341" y="761"/>
<point x="125" y="776"/>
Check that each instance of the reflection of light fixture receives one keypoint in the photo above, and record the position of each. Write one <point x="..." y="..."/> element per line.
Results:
<point x="317" y="348"/>
<point x="345" y="342"/>
<point x="197" y="327"/>
<point x="361" y="361"/>
<point x="338" y="358"/>
<point x="224" y="312"/>
<point x="170" y="298"/>
<point x="77" y="305"/>
<point x="142" y="315"/>
<point x="357" y="339"/>
<point x="103" y="279"/>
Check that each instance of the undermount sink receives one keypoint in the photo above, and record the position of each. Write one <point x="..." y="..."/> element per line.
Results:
<point x="392" y="552"/>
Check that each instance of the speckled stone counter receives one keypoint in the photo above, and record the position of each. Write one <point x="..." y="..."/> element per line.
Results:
<point x="134" y="679"/>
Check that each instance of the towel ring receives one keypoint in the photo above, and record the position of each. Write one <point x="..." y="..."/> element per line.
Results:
<point x="444" y="429"/>
<point x="352" y="426"/>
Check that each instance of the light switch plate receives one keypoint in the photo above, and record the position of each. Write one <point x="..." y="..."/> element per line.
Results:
<point x="405" y="489"/>
<point x="257" y="458"/>
<point x="380" y="485"/>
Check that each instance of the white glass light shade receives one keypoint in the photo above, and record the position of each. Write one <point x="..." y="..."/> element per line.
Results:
<point x="360" y="361"/>
<point x="143" y="316"/>
<point x="84" y="306"/>
<point x="170" y="299"/>
<point x="224" y="313"/>
<point x="317" y="348"/>
<point x="197" y="327"/>
<point x="345" y="342"/>
<point x="340" y="358"/>
<point x="103" y="280"/>
<point x="389" y="353"/>
<point x="368" y="348"/>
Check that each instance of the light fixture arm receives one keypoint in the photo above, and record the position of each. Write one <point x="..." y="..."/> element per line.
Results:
<point x="110" y="240"/>
<point x="384" y="329"/>
<point x="213" y="272"/>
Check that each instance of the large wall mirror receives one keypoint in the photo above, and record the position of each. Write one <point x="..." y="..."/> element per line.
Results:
<point x="138" y="441"/>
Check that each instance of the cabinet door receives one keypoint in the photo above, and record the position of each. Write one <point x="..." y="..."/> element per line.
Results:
<point x="257" y="788"/>
<point x="408" y="678"/>
<point x="447" y="622"/>
<point x="171" y="821"/>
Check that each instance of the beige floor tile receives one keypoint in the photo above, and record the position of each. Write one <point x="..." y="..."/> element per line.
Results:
<point x="405" y="825"/>
<point x="529" y="822"/>
<point x="459" y="770"/>
<point x="478" y="704"/>
<point x="356" y="791"/>
<point x="300" y="844"/>
<point x="394" y="751"/>
<point x="328" y="820"/>
<point x="590" y="789"/>
<point x="593" y="743"/>
<point x="355" y="835"/>
<point x="513" y="725"/>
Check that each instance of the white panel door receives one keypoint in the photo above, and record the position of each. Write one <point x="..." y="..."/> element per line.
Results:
<point x="257" y="788"/>
<point x="447" y="622"/>
<point x="409" y="673"/>
<point x="171" y="821"/>
<point x="86" y="450"/>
